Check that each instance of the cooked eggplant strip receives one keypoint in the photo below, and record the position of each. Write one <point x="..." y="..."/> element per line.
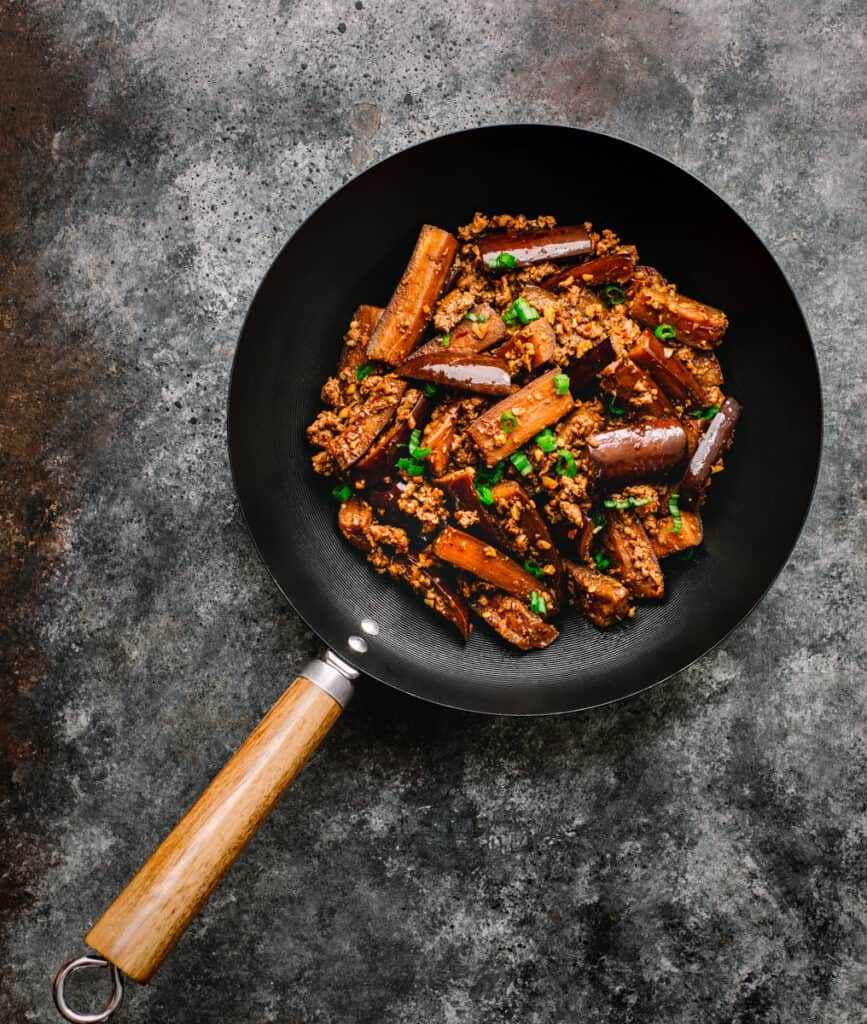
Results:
<point x="439" y="434"/>
<point x="467" y="371"/>
<point x="480" y="559"/>
<point x="626" y="382"/>
<point x="513" y="621"/>
<point x="613" y="269"/>
<point x="535" y="246"/>
<point x="527" y="533"/>
<point x="694" y="322"/>
<point x="508" y="424"/>
<point x="419" y="572"/>
<point x="602" y="599"/>
<point x="669" y="372"/>
<point x="461" y="488"/>
<point x="712" y="446"/>
<point x="632" y="556"/>
<point x="379" y="461"/>
<point x="652" y="450"/>
<point x="415" y="504"/>
<point x="667" y="538"/>
<point x="481" y="328"/>
<point x="582" y="372"/>
<point x="530" y="347"/>
<point x="356" y="523"/>
<point x="409" y="309"/>
<point x="574" y="541"/>
<point x="354" y="351"/>
<point x="371" y="416"/>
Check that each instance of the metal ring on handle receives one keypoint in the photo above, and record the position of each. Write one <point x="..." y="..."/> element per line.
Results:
<point x="84" y="963"/>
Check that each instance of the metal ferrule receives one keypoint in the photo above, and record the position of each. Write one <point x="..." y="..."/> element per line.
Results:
<point x="333" y="675"/>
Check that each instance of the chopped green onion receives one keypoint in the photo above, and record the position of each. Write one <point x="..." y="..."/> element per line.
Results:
<point x="410" y="466"/>
<point x="674" y="510"/>
<point x="601" y="561"/>
<point x="565" y="465"/>
<point x="538" y="604"/>
<point x="414" y="450"/>
<point x="614" y="408"/>
<point x="521" y="310"/>
<point x="705" y="414"/>
<point x="629" y="502"/>
<point x="533" y="568"/>
<point x="445" y="340"/>
<point x="342" y="493"/>
<point x="475" y="318"/>
<point x="491" y="476"/>
<point x="686" y="556"/>
<point x="615" y="294"/>
<point x="665" y="332"/>
<point x="362" y="371"/>
<point x="508" y="421"/>
<point x="599" y="522"/>
<point x="561" y="383"/>
<point x="505" y="260"/>
<point x="547" y="440"/>
<point x="486" y="495"/>
<point x="520" y="461"/>
<point x="430" y="390"/>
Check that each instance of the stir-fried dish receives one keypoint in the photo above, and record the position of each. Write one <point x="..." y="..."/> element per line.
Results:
<point x="533" y="421"/>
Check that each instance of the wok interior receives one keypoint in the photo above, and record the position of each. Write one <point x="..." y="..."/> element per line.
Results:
<point x="352" y="251"/>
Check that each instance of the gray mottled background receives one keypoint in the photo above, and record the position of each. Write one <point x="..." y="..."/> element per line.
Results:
<point x="694" y="854"/>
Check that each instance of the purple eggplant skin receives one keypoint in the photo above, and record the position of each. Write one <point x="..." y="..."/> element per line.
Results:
<point x="583" y="370"/>
<point x="535" y="246"/>
<point x="612" y="269"/>
<point x="379" y="461"/>
<point x="716" y="440"/>
<point x="651" y="450"/>
<point x="460" y="485"/>
<point x="468" y="371"/>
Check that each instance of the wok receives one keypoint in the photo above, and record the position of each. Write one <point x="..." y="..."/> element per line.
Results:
<point x="351" y="251"/>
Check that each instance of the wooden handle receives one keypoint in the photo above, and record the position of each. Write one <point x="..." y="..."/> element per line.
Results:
<point x="152" y="912"/>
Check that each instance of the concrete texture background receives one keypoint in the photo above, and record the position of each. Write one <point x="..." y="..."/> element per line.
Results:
<point x="694" y="854"/>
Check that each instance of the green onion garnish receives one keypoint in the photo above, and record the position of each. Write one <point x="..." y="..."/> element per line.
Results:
<point x="565" y="465"/>
<point x="520" y="461"/>
<point x="411" y="467"/>
<point x="342" y="493"/>
<point x="705" y="414"/>
<point x="475" y="318"/>
<point x="547" y="440"/>
<point x="601" y="561"/>
<point x="674" y="510"/>
<point x="505" y="260"/>
<point x="533" y="568"/>
<point x="414" y="442"/>
<point x="599" y="522"/>
<point x="538" y="604"/>
<point x="561" y="383"/>
<point x="686" y="556"/>
<point x="362" y="371"/>
<point x="508" y="421"/>
<point x="521" y="310"/>
<point x="430" y="390"/>
<point x="614" y="408"/>
<point x="445" y="340"/>
<point x="491" y="476"/>
<point x="486" y="495"/>
<point x="615" y="294"/>
<point x="625" y="502"/>
<point x="665" y="332"/>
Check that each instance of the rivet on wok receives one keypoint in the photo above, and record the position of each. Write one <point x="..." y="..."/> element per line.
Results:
<point x="358" y="644"/>
<point x="370" y="626"/>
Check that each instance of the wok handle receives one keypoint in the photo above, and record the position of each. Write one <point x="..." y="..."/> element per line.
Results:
<point x="150" y="915"/>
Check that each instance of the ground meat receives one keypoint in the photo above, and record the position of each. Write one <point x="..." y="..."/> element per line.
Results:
<point x="451" y="308"/>
<point x="424" y="503"/>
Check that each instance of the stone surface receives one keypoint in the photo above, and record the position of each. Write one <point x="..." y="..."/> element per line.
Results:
<point x="694" y="854"/>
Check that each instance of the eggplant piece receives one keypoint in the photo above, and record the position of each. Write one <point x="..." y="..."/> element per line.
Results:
<point x="669" y="372"/>
<point x="354" y="351"/>
<point x="439" y="434"/>
<point x="354" y="519"/>
<point x="535" y="246"/>
<point x="632" y="556"/>
<point x="508" y="424"/>
<point x="409" y="308"/>
<point x="574" y="540"/>
<point x="513" y="621"/>
<point x="716" y="440"/>
<point x="470" y="335"/>
<point x="527" y="533"/>
<point x="625" y="381"/>
<point x="583" y="370"/>
<point x="461" y="488"/>
<point x="415" y="504"/>
<point x="694" y="322"/>
<point x="603" y="599"/>
<point x="419" y="572"/>
<point x="666" y="542"/>
<point x="468" y="371"/>
<point x="379" y="461"/>
<point x="366" y="420"/>
<point x="613" y="269"/>
<point x="531" y="347"/>
<point x="475" y="556"/>
<point x="645" y="451"/>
